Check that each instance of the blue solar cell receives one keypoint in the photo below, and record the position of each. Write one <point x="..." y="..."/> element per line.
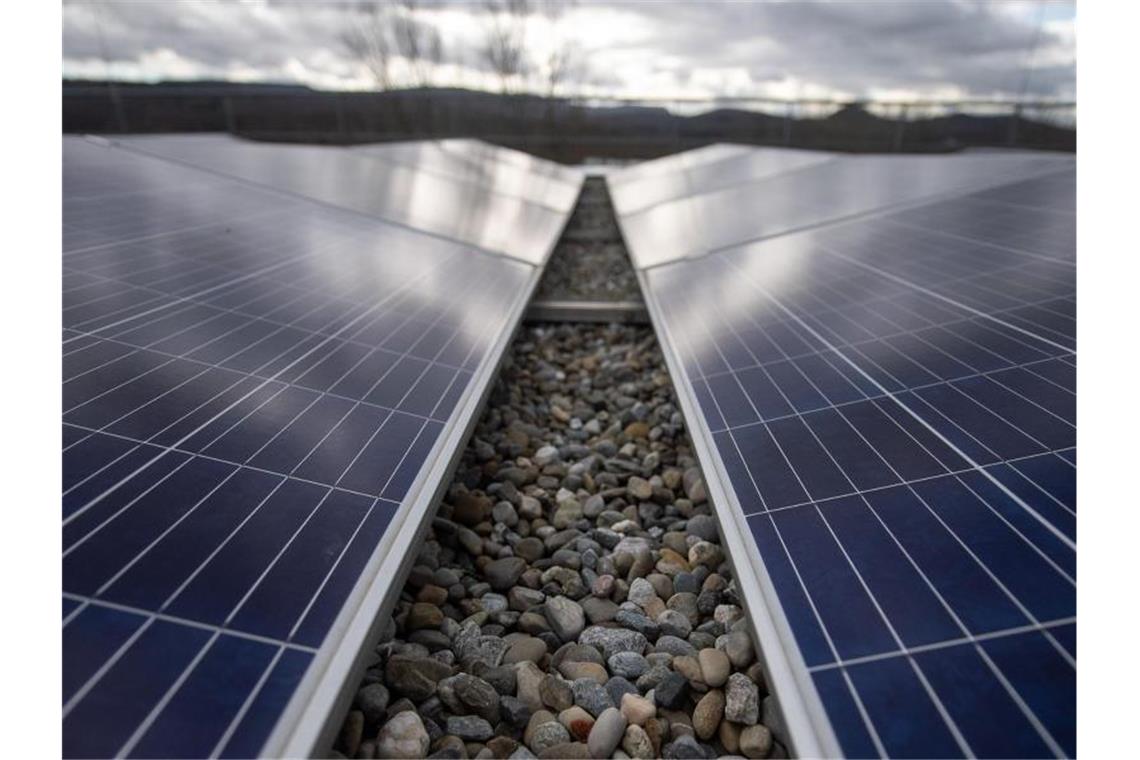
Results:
<point x="253" y="383"/>
<point x="194" y="719"/>
<point x="102" y="722"/>
<point x="855" y="738"/>
<point x="887" y="686"/>
<point x="983" y="709"/>
<point x="892" y="399"/>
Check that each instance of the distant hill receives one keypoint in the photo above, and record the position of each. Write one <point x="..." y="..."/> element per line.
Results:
<point x="555" y="128"/>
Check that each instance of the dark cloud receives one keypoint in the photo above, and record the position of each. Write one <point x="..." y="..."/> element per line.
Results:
<point x="969" y="47"/>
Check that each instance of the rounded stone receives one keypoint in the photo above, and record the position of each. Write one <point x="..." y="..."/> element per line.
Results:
<point x="755" y="741"/>
<point x="628" y="664"/>
<point x="715" y="667"/>
<point x="637" y="709"/>
<point x="708" y="714"/>
<point x="404" y="736"/>
<point x="607" y="733"/>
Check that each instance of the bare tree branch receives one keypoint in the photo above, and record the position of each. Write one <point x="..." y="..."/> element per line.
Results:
<point x="386" y="31"/>
<point x="504" y="47"/>
<point x="369" y="42"/>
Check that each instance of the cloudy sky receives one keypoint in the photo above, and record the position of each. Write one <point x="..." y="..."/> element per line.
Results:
<point x="637" y="48"/>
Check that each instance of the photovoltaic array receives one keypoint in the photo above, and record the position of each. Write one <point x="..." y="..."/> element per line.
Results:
<point x="271" y="355"/>
<point x="877" y="358"/>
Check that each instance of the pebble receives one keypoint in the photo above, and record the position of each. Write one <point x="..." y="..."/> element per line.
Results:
<point x="577" y="721"/>
<point x="708" y="714"/>
<point x="755" y="741"/>
<point x="627" y="664"/>
<point x="610" y="641"/>
<point x="544" y="731"/>
<point x="373" y="702"/>
<point x="742" y="700"/>
<point x="565" y="617"/>
<point x="637" y="709"/>
<point x="502" y="574"/>
<point x="636" y="743"/>
<point x="403" y="736"/>
<point x="555" y="693"/>
<point x="715" y="667"/>
<point x="672" y="691"/>
<point x="525" y="649"/>
<point x="607" y="733"/>
<point x="567" y="601"/>
<point x="469" y="728"/>
<point x="589" y="695"/>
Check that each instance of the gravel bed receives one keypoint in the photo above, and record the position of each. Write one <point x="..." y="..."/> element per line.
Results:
<point x="572" y="598"/>
<point x="590" y="262"/>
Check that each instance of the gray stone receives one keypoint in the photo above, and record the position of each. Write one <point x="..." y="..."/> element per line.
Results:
<point x="504" y="573"/>
<point x="610" y="641"/>
<point x="742" y="700"/>
<point x="591" y="696"/>
<point x="674" y="646"/>
<point x="598" y="610"/>
<point x="694" y="485"/>
<point x="565" y="617"/>
<point x="470" y="728"/>
<point x="738" y="646"/>
<point x="637" y="744"/>
<point x="525" y="649"/>
<point x="544" y="731"/>
<point x="607" y="733"/>
<point x="672" y="692"/>
<point x="556" y="693"/>
<point x="515" y="711"/>
<point x="404" y="736"/>
<point x="627" y="664"/>
<point x="637" y="622"/>
<point x="674" y="623"/>
<point x="641" y="591"/>
<point x="703" y="527"/>
<point x="479" y="696"/>
<point x="618" y="686"/>
<point x="415" y="677"/>
<point x="373" y="702"/>
<point x="652" y="677"/>
<point x="686" y="748"/>
<point x="504" y="512"/>
<point x="546" y="455"/>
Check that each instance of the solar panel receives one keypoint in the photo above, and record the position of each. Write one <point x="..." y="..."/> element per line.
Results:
<point x="488" y="170"/>
<point x="465" y="211"/>
<point x="701" y="176"/>
<point x="815" y="193"/>
<point x="888" y="406"/>
<point x="261" y="395"/>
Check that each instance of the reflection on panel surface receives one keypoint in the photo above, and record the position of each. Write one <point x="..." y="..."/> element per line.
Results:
<point x="812" y="194"/>
<point x="892" y="402"/>
<point x="430" y="201"/>
<point x="253" y="384"/>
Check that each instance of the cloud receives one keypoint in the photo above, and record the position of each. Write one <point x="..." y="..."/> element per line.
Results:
<point x="844" y="48"/>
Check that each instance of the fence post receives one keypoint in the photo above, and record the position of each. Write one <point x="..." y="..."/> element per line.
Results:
<point x="117" y="106"/>
<point x="228" y="110"/>
<point x="900" y="125"/>
<point x="341" y="126"/>
<point x="1013" y="119"/>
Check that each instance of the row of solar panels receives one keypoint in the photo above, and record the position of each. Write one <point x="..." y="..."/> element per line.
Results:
<point x="271" y="355"/>
<point x="876" y="356"/>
